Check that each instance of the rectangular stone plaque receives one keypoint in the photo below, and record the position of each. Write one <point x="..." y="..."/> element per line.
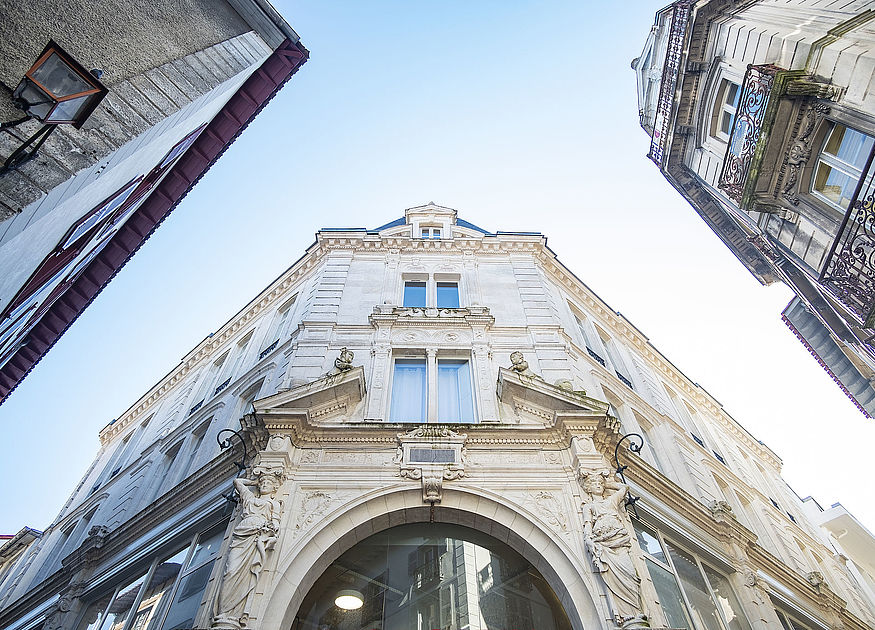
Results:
<point x="432" y="456"/>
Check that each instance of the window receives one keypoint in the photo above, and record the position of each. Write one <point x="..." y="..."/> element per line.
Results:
<point x="441" y="290"/>
<point x="432" y="390"/>
<point x="448" y="295"/>
<point x="692" y="594"/>
<point x="164" y="596"/>
<point x="790" y="623"/>
<point x="840" y="165"/>
<point x="725" y="106"/>
<point x="430" y="231"/>
<point x="277" y="329"/>
<point x="414" y="293"/>
<point x="615" y="362"/>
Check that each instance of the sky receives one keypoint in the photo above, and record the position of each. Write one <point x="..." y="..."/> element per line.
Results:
<point x="520" y="115"/>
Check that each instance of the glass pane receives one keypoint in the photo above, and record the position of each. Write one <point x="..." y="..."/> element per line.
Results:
<point x="408" y="391"/>
<point x="726" y="600"/>
<point x="67" y="111"/>
<point x="732" y="95"/>
<point x="835" y="185"/>
<point x="447" y="295"/>
<point x="58" y="78"/>
<point x="702" y="607"/>
<point x="648" y="541"/>
<point x="157" y="593"/>
<point x="726" y="122"/>
<point x="188" y="598"/>
<point x="669" y="596"/>
<point x="118" y="611"/>
<point x="849" y="145"/>
<point x="208" y="546"/>
<point x="414" y="294"/>
<point x="428" y="576"/>
<point x="455" y="399"/>
<point x="94" y="612"/>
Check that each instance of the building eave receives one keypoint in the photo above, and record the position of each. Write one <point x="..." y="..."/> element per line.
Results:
<point x="219" y="134"/>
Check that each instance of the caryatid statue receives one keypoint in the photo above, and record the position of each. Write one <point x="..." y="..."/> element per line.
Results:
<point x="609" y="543"/>
<point x="251" y="540"/>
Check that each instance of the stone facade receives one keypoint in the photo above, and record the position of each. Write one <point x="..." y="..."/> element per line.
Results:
<point x="184" y="80"/>
<point x="313" y="375"/>
<point x="746" y="104"/>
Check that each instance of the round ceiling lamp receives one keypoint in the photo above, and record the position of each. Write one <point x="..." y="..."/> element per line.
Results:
<point x="349" y="600"/>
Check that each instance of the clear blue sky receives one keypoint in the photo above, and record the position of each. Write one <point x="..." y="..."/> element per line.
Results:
<point x="522" y="116"/>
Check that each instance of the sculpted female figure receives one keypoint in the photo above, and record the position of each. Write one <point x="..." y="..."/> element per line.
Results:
<point x="610" y="544"/>
<point x="252" y="538"/>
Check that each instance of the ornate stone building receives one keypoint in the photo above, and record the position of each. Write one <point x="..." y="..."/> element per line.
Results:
<point x="762" y="115"/>
<point x="429" y="421"/>
<point x="182" y="80"/>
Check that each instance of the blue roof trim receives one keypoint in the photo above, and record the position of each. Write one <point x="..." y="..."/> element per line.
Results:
<point x="522" y="233"/>
<point x="391" y="224"/>
<point x="471" y="226"/>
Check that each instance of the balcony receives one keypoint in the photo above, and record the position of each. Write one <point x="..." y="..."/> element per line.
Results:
<point x="849" y="271"/>
<point x="680" y="16"/>
<point x="741" y="159"/>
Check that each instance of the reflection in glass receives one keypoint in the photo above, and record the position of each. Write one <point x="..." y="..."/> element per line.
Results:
<point x="726" y="599"/>
<point x="669" y="596"/>
<point x="188" y="598"/>
<point x="702" y="606"/>
<point x="118" y="611"/>
<point x="156" y="594"/>
<point x="428" y="576"/>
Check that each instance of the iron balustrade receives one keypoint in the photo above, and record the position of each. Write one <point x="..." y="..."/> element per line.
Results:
<point x="755" y="92"/>
<point x="680" y="16"/>
<point x="849" y="271"/>
<point x="626" y="381"/>
<point x="268" y="350"/>
<point x="596" y="356"/>
<point x="222" y="386"/>
<point x="197" y="406"/>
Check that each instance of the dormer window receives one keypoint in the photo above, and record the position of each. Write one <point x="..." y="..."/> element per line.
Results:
<point x="430" y="231"/>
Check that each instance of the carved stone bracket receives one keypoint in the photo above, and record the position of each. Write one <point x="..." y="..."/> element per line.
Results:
<point x="800" y="150"/>
<point x="63" y="612"/>
<point x="431" y="454"/>
<point x="721" y="511"/>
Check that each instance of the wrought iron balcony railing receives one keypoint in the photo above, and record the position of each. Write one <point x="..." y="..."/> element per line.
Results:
<point x="755" y="94"/>
<point x="680" y="16"/>
<point x="849" y="271"/>
<point x="268" y="350"/>
<point x="595" y="355"/>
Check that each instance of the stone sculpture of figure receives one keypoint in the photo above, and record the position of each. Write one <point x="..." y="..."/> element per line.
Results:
<point x="252" y="538"/>
<point x="344" y="361"/>
<point x="609" y="542"/>
<point x="519" y="365"/>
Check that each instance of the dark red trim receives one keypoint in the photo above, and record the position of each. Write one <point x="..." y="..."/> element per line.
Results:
<point x="824" y="365"/>
<point x="233" y="118"/>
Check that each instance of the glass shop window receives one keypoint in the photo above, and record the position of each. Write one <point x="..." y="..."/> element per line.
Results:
<point x="164" y="597"/>
<point x="692" y="593"/>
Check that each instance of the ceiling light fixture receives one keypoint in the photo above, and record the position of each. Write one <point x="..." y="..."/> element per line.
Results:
<point x="349" y="599"/>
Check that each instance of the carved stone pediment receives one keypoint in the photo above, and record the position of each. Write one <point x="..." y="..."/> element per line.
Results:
<point x="535" y="396"/>
<point x="322" y="399"/>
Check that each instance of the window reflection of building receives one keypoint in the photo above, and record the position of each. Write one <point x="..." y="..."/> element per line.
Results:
<point x="430" y="576"/>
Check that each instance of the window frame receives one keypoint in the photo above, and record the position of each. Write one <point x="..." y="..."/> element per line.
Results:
<point x="431" y="280"/>
<point x="432" y="361"/>
<point x="121" y="581"/>
<point x="669" y="566"/>
<point x="835" y="163"/>
<point x="721" y="106"/>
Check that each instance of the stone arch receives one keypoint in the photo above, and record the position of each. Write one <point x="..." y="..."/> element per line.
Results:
<point x="570" y="579"/>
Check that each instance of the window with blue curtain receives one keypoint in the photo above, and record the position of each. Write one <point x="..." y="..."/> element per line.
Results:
<point x="409" y="396"/>
<point x="414" y="294"/>
<point x="455" y="398"/>
<point x="448" y="295"/>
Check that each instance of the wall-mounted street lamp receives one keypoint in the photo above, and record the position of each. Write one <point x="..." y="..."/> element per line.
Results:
<point x="56" y="90"/>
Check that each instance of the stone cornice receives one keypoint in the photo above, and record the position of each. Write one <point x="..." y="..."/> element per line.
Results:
<point x="471" y="316"/>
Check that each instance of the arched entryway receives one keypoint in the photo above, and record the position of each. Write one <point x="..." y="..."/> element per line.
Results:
<point x="485" y="516"/>
<point x="431" y="576"/>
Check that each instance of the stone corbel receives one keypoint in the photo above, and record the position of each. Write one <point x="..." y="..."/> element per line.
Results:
<point x="799" y="151"/>
<point x="808" y="88"/>
<point x="64" y="611"/>
<point x="722" y="512"/>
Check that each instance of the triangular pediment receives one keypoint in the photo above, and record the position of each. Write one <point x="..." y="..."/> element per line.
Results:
<point x="329" y="396"/>
<point x="533" y="395"/>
